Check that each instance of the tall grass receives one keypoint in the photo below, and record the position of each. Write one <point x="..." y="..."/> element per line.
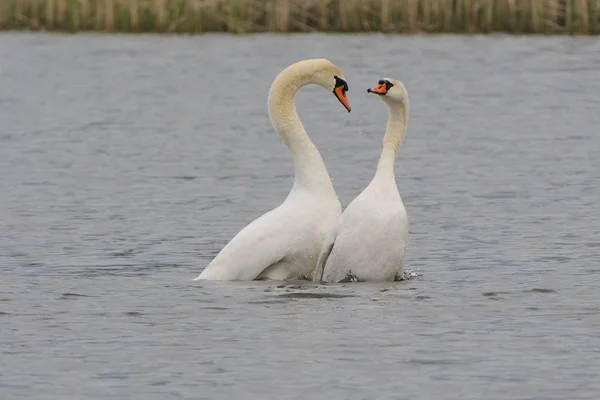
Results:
<point x="246" y="16"/>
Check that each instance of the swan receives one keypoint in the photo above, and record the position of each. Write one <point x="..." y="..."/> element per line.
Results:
<point x="285" y="242"/>
<point x="369" y="240"/>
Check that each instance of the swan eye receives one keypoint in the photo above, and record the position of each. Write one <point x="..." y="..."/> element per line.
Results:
<point x="339" y="82"/>
<point x="382" y="88"/>
<point x="388" y="84"/>
<point x="339" y="90"/>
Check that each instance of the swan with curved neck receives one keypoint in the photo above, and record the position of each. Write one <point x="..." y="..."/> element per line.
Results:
<point x="285" y="242"/>
<point x="369" y="240"/>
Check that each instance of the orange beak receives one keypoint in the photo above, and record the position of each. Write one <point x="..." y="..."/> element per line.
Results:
<point x="341" y="96"/>
<point x="379" y="89"/>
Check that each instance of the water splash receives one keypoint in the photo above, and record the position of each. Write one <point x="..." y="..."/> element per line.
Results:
<point x="407" y="275"/>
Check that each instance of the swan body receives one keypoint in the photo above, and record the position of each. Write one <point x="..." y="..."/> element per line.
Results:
<point x="369" y="240"/>
<point x="285" y="242"/>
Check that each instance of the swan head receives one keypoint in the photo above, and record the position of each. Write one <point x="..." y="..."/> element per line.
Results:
<point x="329" y="76"/>
<point x="390" y="90"/>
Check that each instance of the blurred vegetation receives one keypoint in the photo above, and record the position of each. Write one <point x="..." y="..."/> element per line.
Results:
<point x="249" y="16"/>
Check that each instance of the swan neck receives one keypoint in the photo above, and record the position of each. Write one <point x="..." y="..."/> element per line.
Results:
<point x="394" y="136"/>
<point x="309" y="168"/>
<point x="282" y="107"/>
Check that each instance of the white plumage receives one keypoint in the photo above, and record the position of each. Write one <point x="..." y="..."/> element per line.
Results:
<point x="285" y="242"/>
<point x="369" y="239"/>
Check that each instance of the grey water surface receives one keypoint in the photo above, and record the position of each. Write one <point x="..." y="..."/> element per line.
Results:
<point x="128" y="162"/>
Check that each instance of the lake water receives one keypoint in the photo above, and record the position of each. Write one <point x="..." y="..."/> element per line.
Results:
<point x="128" y="162"/>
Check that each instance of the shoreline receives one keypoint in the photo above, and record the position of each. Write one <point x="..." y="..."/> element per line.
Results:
<point x="295" y="34"/>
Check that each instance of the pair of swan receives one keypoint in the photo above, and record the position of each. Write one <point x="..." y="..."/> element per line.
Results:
<point x="308" y="233"/>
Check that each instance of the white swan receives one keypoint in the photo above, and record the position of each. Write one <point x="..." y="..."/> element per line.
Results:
<point x="369" y="240"/>
<point x="285" y="242"/>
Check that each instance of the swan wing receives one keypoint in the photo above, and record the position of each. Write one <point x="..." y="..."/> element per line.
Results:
<point x="370" y="241"/>
<point x="262" y="243"/>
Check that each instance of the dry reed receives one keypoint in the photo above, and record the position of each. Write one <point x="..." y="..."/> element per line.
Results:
<point x="248" y="16"/>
